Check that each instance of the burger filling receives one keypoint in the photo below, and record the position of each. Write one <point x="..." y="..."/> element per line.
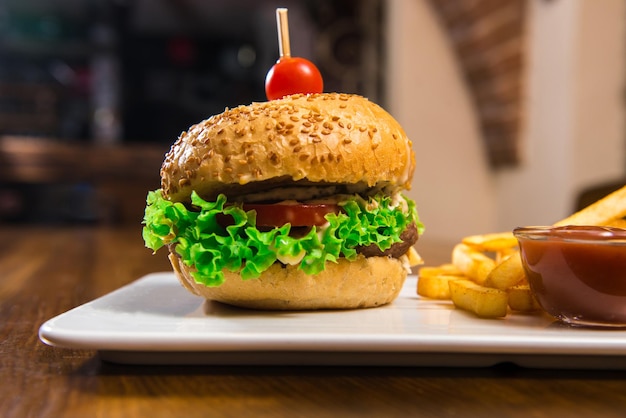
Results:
<point x="210" y="236"/>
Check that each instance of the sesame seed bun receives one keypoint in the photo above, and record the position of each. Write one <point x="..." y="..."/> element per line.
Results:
<point x="300" y="148"/>
<point x="307" y="139"/>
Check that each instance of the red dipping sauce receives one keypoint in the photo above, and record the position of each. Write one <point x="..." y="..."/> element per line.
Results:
<point x="577" y="273"/>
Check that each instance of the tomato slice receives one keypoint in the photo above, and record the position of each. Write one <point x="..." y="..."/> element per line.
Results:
<point x="298" y="214"/>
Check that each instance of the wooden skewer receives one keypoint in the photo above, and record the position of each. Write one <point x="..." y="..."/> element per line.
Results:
<point x="282" y="22"/>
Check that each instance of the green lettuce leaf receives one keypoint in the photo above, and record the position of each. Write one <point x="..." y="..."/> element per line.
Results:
<point x="208" y="247"/>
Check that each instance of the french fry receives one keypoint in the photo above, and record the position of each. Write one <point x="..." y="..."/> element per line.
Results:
<point x="494" y="242"/>
<point x="616" y="223"/>
<point x="443" y="269"/>
<point x="483" y="301"/>
<point x="413" y="257"/>
<point x="521" y="299"/>
<point x="509" y="272"/>
<point x="504" y="253"/>
<point x="474" y="264"/>
<point x="607" y="209"/>
<point x="501" y="244"/>
<point x="435" y="286"/>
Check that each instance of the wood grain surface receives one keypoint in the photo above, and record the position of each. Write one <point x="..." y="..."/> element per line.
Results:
<point x="45" y="271"/>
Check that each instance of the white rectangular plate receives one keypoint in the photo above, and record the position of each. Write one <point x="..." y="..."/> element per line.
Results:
<point x="155" y="321"/>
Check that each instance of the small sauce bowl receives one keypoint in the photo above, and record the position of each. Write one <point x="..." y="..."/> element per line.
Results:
<point x="577" y="273"/>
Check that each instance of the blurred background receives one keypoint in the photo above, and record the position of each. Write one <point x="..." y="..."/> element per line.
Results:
<point x="515" y="107"/>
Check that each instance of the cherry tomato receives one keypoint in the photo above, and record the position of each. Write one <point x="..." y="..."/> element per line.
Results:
<point x="277" y="215"/>
<point x="291" y="75"/>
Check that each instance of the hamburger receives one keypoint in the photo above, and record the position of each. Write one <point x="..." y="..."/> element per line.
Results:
<point x="290" y="204"/>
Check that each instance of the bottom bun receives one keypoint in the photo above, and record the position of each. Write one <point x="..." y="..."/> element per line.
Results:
<point x="362" y="283"/>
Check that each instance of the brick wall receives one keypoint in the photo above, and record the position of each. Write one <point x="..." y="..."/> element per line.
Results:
<point x="488" y="38"/>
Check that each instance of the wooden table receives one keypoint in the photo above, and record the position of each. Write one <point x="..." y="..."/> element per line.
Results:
<point x="45" y="271"/>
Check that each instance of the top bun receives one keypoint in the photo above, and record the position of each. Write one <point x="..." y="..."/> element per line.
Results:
<point x="325" y="139"/>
